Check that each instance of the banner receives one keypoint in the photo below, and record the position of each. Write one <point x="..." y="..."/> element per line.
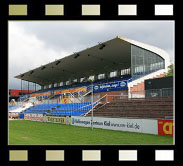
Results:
<point x="131" y="125"/>
<point x="112" y="86"/>
<point x="82" y="89"/>
<point x="33" y="117"/>
<point x="14" y="115"/>
<point x="165" y="127"/>
<point x="41" y="94"/>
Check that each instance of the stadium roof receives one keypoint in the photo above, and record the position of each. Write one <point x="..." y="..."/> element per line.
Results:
<point x="105" y="57"/>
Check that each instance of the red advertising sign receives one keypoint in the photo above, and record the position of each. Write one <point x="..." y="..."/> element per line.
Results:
<point x="165" y="127"/>
<point x="36" y="117"/>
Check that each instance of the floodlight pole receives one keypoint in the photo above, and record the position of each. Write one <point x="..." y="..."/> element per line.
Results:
<point x="92" y="105"/>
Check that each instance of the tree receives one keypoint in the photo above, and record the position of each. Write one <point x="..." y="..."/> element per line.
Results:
<point x="170" y="71"/>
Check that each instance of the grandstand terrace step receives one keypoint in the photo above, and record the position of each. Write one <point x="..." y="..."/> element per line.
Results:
<point x="153" y="116"/>
<point x="127" y="110"/>
<point x="124" y="104"/>
<point x="136" y="111"/>
<point x="143" y="107"/>
<point x="156" y="108"/>
<point x="141" y="101"/>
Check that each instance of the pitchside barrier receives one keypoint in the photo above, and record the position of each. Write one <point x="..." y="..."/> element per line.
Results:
<point x="147" y="126"/>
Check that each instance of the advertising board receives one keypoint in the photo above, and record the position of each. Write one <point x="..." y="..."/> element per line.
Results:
<point x="122" y="124"/>
<point x="59" y="119"/>
<point x="165" y="127"/>
<point x="14" y="115"/>
<point x="112" y="86"/>
<point x="40" y="94"/>
<point x="76" y="90"/>
<point x="54" y="119"/>
<point x="34" y="117"/>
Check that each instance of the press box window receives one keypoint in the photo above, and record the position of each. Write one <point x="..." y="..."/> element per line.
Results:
<point x="55" y="85"/>
<point x="113" y="74"/>
<point x="67" y="82"/>
<point x="75" y="80"/>
<point x="101" y="76"/>
<point x="91" y="78"/>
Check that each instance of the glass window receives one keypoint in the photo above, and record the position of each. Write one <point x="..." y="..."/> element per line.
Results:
<point x="55" y="84"/>
<point x="67" y="82"/>
<point x="81" y="79"/>
<point x="91" y="78"/>
<point x="101" y="76"/>
<point x="144" y="61"/>
<point x="75" y="80"/>
<point x="113" y="74"/>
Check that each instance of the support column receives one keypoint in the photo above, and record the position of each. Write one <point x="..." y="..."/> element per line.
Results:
<point x="28" y="87"/>
<point x="118" y="73"/>
<point x="107" y="75"/>
<point x="21" y="87"/>
<point x="95" y="77"/>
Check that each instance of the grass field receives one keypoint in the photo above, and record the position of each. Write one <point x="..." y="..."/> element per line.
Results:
<point x="23" y="132"/>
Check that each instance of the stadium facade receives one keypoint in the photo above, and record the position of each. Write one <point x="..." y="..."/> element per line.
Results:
<point x="117" y="67"/>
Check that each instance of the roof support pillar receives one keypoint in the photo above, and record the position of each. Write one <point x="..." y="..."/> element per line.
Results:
<point x="28" y="87"/>
<point x="95" y="77"/>
<point x="107" y="75"/>
<point x="118" y="73"/>
<point x="52" y="85"/>
<point x="21" y="87"/>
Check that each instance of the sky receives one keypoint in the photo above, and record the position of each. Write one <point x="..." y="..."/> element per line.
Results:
<point x="35" y="43"/>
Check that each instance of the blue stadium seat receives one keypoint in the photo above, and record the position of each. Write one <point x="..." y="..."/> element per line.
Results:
<point x="77" y="109"/>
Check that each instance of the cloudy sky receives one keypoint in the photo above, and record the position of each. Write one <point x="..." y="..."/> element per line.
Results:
<point x="35" y="43"/>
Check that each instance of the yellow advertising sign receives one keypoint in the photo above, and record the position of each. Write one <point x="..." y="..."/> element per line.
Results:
<point x="65" y="100"/>
<point x="41" y="94"/>
<point x="55" y="119"/>
<point x="82" y="89"/>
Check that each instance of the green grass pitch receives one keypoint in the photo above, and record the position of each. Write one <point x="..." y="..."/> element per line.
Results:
<point x="24" y="132"/>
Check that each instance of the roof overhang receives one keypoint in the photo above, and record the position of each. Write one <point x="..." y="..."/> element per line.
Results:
<point x="105" y="57"/>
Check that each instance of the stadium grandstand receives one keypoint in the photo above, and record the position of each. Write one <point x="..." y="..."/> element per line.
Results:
<point x="106" y="80"/>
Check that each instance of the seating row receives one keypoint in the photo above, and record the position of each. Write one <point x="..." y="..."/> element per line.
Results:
<point x="62" y="109"/>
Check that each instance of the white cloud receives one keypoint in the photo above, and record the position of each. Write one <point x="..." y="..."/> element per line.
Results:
<point x="27" y="52"/>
